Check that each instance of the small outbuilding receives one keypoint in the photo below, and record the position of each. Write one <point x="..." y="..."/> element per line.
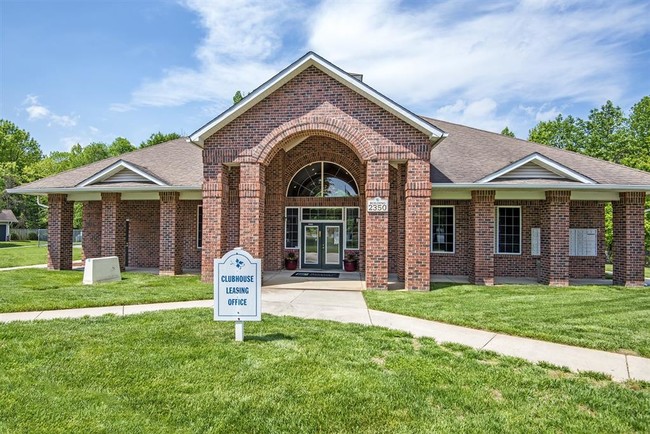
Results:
<point x="7" y="217"/>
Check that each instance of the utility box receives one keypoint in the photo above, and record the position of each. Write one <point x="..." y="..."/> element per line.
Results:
<point x="102" y="270"/>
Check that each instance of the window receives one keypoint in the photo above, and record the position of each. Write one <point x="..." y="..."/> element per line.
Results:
<point x="322" y="214"/>
<point x="352" y="228"/>
<point x="291" y="229"/>
<point x="199" y="227"/>
<point x="322" y="179"/>
<point x="509" y="230"/>
<point x="442" y="229"/>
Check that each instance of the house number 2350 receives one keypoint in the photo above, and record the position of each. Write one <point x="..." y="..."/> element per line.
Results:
<point x="378" y="205"/>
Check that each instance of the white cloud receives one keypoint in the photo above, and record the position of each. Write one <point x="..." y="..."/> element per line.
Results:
<point x="479" y="114"/>
<point x="486" y="56"/>
<point x="239" y="52"/>
<point x="37" y="111"/>
<point x="529" y="50"/>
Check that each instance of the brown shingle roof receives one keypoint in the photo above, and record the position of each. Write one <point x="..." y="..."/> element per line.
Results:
<point x="469" y="154"/>
<point x="7" y="215"/>
<point x="177" y="162"/>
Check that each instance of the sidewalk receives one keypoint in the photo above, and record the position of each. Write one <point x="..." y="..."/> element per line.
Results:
<point x="350" y="307"/>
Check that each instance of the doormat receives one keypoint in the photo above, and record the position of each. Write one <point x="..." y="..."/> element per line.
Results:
<point x="314" y="274"/>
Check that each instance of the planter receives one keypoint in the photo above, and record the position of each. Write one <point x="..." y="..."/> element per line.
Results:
<point x="349" y="265"/>
<point x="291" y="264"/>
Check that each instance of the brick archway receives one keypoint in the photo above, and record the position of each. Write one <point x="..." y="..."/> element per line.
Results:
<point x="264" y="152"/>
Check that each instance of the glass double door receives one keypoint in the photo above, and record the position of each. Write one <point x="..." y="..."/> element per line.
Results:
<point x="322" y="245"/>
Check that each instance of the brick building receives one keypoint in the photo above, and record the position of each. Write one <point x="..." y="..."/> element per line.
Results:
<point x="317" y="163"/>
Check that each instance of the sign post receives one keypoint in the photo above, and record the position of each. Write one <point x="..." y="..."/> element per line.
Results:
<point x="237" y="289"/>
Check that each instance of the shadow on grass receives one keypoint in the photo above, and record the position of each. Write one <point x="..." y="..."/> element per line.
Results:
<point x="441" y="285"/>
<point x="270" y="338"/>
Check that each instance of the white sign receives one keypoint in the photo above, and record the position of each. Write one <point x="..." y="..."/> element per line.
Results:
<point x="377" y="204"/>
<point x="237" y="287"/>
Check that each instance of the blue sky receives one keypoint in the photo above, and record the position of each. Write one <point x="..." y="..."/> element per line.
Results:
<point x="84" y="71"/>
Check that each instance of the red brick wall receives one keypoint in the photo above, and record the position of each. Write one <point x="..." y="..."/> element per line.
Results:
<point x="588" y="215"/>
<point x="417" y="225"/>
<point x="482" y="242"/>
<point x="377" y="185"/>
<point x="113" y="227"/>
<point x="523" y="265"/>
<point x="59" y="249"/>
<point x="92" y="230"/>
<point x="313" y="94"/>
<point x="458" y="263"/>
<point x="191" y="253"/>
<point x="628" y="243"/>
<point x="312" y="104"/>
<point x="144" y="230"/>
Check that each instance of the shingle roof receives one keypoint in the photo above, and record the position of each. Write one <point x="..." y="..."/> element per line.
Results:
<point x="7" y="215"/>
<point x="178" y="162"/>
<point x="469" y="154"/>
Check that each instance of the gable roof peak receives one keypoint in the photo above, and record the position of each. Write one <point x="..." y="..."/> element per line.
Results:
<point x="310" y="59"/>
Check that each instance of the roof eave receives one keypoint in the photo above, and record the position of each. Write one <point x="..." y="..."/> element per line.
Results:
<point x="98" y="189"/>
<point x="577" y="186"/>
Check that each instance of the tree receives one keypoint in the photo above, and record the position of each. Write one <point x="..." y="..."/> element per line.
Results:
<point x="17" y="145"/>
<point x="638" y="154"/>
<point x="607" y="133"/>
<point x="159" y="137"/>
<point x="564" y="133"/>
<point x="120" y="146"/>
<point x="238" y="97"/>
<point x="506" y="132"/>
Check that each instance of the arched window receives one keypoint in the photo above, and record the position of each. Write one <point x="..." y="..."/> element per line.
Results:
<point x="323" y="179"/>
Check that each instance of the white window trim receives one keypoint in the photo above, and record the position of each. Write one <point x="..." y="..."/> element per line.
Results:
<point x="453" y="214"/>
<point x="345" y="227"/>
<point x="322" y="179"/>
<point x="285" y="226"/>
<point x="496" y="231"/>
<point x="199" y="225"/>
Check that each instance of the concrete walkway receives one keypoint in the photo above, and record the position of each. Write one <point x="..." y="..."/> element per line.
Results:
<point x="350" y="307"/>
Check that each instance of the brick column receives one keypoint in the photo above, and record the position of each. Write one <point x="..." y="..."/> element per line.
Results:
<point x="376" y="255"/>
<point x="417" y="222"/>
<point x="251" y="208"/>
<point x="482" y="237"/>
<point x="629" y="236"/>
<point x="215" y="211"/>
<point x="555" y="238"/>
<point x="59" y="232"/>
<point x="113" y="227"/>
<point x="171" y="235"/>
<point x="92" y="230"/>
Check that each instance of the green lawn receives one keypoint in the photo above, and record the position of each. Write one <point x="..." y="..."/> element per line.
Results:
<point x="17" y="253"/>
<point x="181" y="372"/>
<point x="610" y="268"/>
<point x="601" y="317"/>
<point x="39" y="289"/>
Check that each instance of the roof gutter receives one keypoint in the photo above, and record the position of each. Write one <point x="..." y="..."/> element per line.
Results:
<point x="67" y="190"/>
<point x="596" y="187"/>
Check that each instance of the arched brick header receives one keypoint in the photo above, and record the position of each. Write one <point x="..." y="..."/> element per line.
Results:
<point x="264" y="152"/>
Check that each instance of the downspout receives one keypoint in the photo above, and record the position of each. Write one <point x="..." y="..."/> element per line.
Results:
<point x="38" y="202"/>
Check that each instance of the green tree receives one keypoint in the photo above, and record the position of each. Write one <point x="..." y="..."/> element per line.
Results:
<point x="18" y="150"/>
<point x="239" y="95"/>
<point x="120" y="146"/>
<point x="607" y="133"/>
<point x="17" y="145"/>
<point x="564" y="133"/>
<point x="507" y="132"/>
<point x="638" y="154"/>
<point x="159" y="137"/>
